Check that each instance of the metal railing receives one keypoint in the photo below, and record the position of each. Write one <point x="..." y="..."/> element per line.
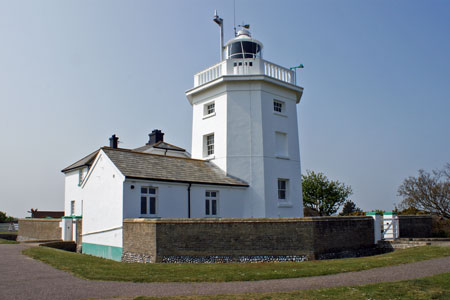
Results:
<point x="9" y="227"/>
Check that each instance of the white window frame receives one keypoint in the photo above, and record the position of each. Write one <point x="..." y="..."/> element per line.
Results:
<point x="209" y="200"/>
<point x="72" y="208"/>
<point x="278" y="106"/>
<point x="285" y="190"/>
<point x="208" y="111"/>
<point x="80" y="176"/>
<point x="148" y="196"/>
<point x="208" y="147"/>
<point x="282" y="107"/>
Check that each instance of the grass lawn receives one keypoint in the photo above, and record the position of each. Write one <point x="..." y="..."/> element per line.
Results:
<point x="434" y="287"/>
<point x="3" y="241"/>
<point x="90" y="267"/>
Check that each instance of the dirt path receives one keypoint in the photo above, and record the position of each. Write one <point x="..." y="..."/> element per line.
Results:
<point x="24" y="278"/>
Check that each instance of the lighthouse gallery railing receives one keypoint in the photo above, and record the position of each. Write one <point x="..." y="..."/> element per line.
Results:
<point x="244" y="67"/>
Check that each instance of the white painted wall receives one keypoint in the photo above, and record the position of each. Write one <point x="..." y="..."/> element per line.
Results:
<point x="171" y="202"/>
<point x="277" y="166"/>
<point x="73" y="191"/>
<point x="245" y="143"/>
<point x="103" y="205"/>
<point x="230" y="205"/>
<point x="173" y="199"/>
<point x="202" y="126"/>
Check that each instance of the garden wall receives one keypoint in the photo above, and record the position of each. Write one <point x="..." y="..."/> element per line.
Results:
<point x="166" y="240"/>
<point x="39" y="229"/>
<point x="415" y="226"/>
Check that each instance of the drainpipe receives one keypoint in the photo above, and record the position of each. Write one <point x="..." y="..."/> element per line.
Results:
<point x="189" y="200"/>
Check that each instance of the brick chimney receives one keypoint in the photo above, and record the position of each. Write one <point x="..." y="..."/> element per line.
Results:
<point x="113" y="141"/>
<point x="155" y="136"/>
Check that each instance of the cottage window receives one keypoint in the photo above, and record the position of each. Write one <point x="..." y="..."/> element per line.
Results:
<point x="211" y="203"/>
<point x="148" y="200"/>
<point x="80" y="176"/>
<point x="282" y="189"/>
<point x="72" y="207"/>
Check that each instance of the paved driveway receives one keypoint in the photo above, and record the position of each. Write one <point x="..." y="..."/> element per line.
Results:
<point x="24" y="278"/>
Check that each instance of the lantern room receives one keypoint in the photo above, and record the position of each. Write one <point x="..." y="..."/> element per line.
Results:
<point x="243" y="46"/>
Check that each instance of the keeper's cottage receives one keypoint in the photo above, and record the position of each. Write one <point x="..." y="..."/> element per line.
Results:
<point x="244" y="161"/>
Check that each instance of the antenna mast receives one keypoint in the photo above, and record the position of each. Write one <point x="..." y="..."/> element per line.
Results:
<point x="219" y="21"/>
<point x="234" y="16"/>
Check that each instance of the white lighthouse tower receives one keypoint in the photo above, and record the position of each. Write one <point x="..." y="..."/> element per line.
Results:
<point x="245" y="122"/>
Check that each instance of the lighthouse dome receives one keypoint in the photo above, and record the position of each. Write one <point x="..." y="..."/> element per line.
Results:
<point x="243" y="46"/>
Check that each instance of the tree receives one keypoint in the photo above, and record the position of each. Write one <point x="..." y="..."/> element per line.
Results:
<point x="350" y="208"/>
<point x="323" y="195"/>
<point x="427" y="192"/>
<point x="4" y="218"/>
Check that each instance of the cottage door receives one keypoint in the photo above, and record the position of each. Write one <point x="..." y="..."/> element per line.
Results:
<point x="68" y="230"/>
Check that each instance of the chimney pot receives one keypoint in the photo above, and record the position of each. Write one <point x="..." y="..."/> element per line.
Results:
<point x="113" y="141"/>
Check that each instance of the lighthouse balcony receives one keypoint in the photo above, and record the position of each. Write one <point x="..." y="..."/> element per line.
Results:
<point x="237" y="67"/>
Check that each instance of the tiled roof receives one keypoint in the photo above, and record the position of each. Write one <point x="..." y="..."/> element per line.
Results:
<point x="159" y="145"/>
<point x="140" y="165"/>
<point x="85" y="161"/>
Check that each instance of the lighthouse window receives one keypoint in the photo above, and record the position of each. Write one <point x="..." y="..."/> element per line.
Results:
<point x="210" y="144"/>
<point x="211" y="108"/>
<point x="278" y="106"/>
<point x="244" y="49"/>
<point x="282" y="189"/>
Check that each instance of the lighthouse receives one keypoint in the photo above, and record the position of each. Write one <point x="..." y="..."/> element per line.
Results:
<point x="245" y="122"/>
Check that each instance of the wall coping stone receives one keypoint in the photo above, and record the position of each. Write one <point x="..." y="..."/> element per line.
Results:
<point x="415" y="216"/>
<point x="40" y="220"/>
<point x="246" y="220"/>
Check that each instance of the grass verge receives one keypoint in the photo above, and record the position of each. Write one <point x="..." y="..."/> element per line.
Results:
<point x="3" y="241"/>
<point x="9" y="232"/>
<point x="94" y="268"/>
<point x="434" y="287"/>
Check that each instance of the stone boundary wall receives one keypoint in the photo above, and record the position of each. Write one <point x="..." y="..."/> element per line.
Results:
<point x="268" y="239"/>
<point x="415" y="226"/>
<point x="39" y="229"/>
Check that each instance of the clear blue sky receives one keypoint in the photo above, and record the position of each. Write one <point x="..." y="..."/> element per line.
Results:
<point x="375" y="108"/>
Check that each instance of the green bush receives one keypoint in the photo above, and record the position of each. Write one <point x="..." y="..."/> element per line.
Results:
<point x="441" y="227"/>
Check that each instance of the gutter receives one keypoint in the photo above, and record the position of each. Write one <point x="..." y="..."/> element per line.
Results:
<point x="189" y="200"/>
<point x="187" y="182"/>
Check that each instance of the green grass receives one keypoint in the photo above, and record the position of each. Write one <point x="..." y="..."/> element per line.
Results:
<point x="3" y="241"/>
<point x="434" y="287"/>
<point x="94" y="268"/>
<point x="9" y="232"/>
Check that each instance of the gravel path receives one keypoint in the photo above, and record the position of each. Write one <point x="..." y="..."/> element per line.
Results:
<point x="24" y="278"/>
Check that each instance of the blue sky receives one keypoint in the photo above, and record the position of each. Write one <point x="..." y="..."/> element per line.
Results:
<point x="375" y="107"/>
